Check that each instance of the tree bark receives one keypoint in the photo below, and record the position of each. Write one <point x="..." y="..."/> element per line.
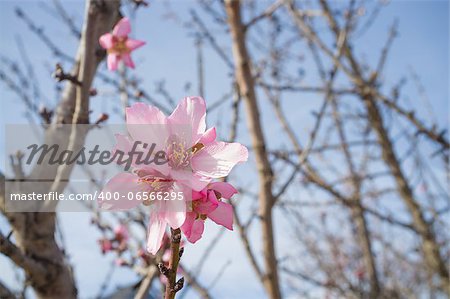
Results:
<point x="430" y="247"/>
<point x="246" y="86"/>
<point x="36" y="250"/>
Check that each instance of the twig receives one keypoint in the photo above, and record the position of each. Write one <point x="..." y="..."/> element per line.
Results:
<point x="146" y="282"/>
<point x="60" y="75"/>
<point x="205" y="32"/>
<point x="172" y="285"/>
<point x="267" y="13"/>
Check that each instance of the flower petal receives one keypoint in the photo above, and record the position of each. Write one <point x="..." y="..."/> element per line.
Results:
<point x="225" y="189"/>
<point x="223" y="215"/>
<point x="191" y="111"/>
<point x="156" y="230"/>
<point x="120" y="184"/>
<point x="147" y="124"/>
<point x="217" y="159"/>
<point x="208" y="137"/>
<point x="197" y="231"/>
<point x="122" y="28"/>
<point x="140" y="113"/>
<point x="186" y="228"/>
<point x="127" y="60"/>
<point x="124" y="143"/>
<point x="197" y="182"/>
<point x="106" y="41"/>
<point x="193" y="228"/>
<point x="173" y="212"/>
<point x="190" y="179"/>
<point x="206" y="205"/>
<point x="133" y="44"/>
<point x="112" y="61"/>
<point x="199" y="194"/>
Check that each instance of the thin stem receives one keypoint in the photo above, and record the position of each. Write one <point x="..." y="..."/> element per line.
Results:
<point x="173" y="286"/>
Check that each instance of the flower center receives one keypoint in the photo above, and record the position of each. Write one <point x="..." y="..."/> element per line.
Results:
<point x="177" y="152"/>
<point x="157" y="184"/>
<point x="119" y="46"/>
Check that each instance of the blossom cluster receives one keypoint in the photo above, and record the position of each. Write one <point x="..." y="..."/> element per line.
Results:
<point x="197" y="162"/>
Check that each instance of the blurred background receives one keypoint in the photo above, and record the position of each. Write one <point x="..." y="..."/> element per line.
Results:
<point x="342" y="104"/>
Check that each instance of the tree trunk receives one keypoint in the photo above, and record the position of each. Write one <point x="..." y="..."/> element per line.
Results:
<point x="246" y="86"/>
<point x="36" y="250"/>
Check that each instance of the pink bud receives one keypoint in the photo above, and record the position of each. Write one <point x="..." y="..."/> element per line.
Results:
<point x="121" y="232"/>
<point x="105" y="245"/>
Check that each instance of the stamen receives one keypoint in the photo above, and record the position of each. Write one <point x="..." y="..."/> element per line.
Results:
<point x="177" y="152"/>
<point x="119" y="47"/>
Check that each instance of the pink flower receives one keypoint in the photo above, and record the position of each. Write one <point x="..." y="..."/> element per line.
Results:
<point x="193" y="159"/>
<point x="119" y="46"/>
<point x="163" y="212"/>
<point x="208" y="204"/>
<point x="194" y="156"/>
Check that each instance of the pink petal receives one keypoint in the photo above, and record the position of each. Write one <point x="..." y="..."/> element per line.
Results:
<point x="120" y="184"/>
<point x="223" y="215"/>
<point x="172" y="211"/>
<point x="157" y="171"/>
<point x="147" y="124"/>
<point x="199" y="194"/>
<point x="189" y="178"/>
<point x="122" y="28"/>
<point x="193" y="228"/>
<point x="112" y="61"/>
<point x="197" y="182"/>
<point x="127" y="60"/>
<point x="186" y="228"/>
<point x="217" y="160"/>
<point x="140" y="113"/>
<point x="156" y="230"/>
<point x="106" y="41"/>
<point x="225" y="189"/>
<point x="208" y="137"/>
<point x="191" y="111"/>
<point x="134" y="43"/>
<point x="124" y="143"/>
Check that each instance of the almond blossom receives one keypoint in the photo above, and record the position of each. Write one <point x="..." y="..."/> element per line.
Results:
<point x="119" y="46"/>
<point x="162" y="213"/>
<point x="209" y="203"/>
<point x="194" y="159"/>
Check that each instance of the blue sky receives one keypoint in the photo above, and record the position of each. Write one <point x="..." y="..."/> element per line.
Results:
<point x="423" y="45"/>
